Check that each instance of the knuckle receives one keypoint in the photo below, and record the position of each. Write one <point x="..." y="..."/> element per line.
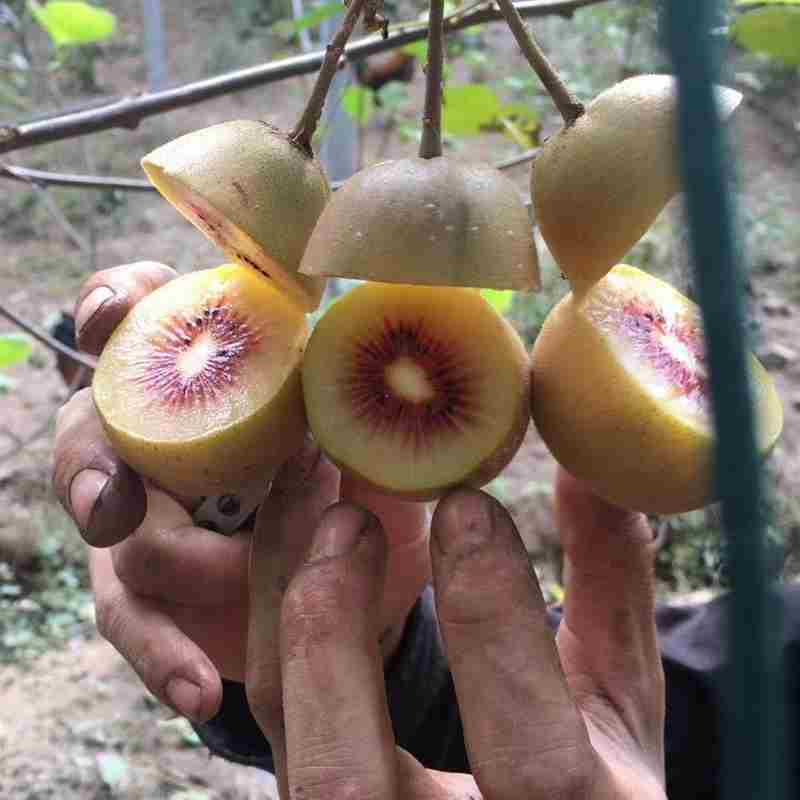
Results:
<point x="110" y="616"/>
<point x="563" y="774"/>
<point x="136" y="562"/>
<point x="314" y="612"/>
<point x="461" y="604"/>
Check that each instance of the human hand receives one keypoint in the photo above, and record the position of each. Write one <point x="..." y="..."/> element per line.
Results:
<point x="173" y="598"/>
<point x="578" y="717"/>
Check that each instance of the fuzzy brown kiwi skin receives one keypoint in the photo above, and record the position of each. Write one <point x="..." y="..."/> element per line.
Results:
<point x="467" y="223"/>
<point x="599" y="184"/>
<point x="266" y="191"/>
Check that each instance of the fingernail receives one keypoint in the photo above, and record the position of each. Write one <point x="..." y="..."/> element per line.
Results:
<point x="93" y="302"/>
<point x="184" y="696"/>
<point x="84" y="490"/>
<point x="464" y="520"/>
<point x="340" y="531"/>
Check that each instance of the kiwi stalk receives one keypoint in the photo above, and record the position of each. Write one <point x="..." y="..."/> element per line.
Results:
<point x="567" y="104"/>
<point x="431" y="143"/>
<point x="468" y="223"/>
<point x="307" y="124"/>
<point x="256" y="191"/>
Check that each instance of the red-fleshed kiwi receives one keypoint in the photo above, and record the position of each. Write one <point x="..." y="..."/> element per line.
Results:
<point x="199" y="387"/>
<point x="415" y="389"/>
<point x="620" y="394"/>
<point x="426" y="221"/>
<point x="252" y="191"/>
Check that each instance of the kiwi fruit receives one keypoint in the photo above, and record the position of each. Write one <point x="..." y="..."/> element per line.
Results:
<point x="252" y="191"/>
<point x="599" y="184"/>
<point x="199" y="388"/>
<point x="416" y="389"/>
<point x="426" y="221"/>
<point x="620" y="394"/>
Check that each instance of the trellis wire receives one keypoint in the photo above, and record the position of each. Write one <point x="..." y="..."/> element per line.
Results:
<point x="753" y="767"/>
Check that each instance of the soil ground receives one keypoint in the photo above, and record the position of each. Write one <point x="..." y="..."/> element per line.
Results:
<point x="76" y="722"/>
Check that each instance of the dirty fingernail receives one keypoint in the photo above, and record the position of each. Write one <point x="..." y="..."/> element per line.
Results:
<point x="94" y="301"/>
<point x="184" y="696"/>
<point x="84" y="490"/>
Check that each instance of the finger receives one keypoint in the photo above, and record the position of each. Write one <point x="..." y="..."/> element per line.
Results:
<point x="524" y="735"/>
<point x="608" y="634"/>
<point x="104" y="496"/>
<point x="107" y="297"/>
<point x="171" y="559"/>
<point x="339" y="738"/>
<point x="300" y="493"/>
<point x="407" y="527"/>
<point x="169" y="664"/>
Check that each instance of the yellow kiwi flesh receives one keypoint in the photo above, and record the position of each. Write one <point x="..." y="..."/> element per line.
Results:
<point x="620" y="394"/>
<point x="415" y="390"/>
<point x="252" y="192"/>
<point x="199" y="388"/>
<point x="432" y="222"/>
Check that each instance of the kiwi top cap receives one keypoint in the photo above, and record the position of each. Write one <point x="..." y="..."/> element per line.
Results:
<point x="598" y="185"/>
<point x="435" y="222"/>
<point x="249" y="189"/>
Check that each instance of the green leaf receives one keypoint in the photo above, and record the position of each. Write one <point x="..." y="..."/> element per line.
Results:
<point x="500" y="300"/>
<point x="742" y="3"/>
<point x="418" y="49"/>
<point x="70" y="22"/>
<point x="14" y="349"/>
<point x="288" y="27"/>
<point x="469" y="108"/>
<point x="359" y="103"/>
<point x="773" y="31"/>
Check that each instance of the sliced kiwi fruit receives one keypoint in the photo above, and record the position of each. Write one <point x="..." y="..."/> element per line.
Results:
<point x="426" y="221"/>
<point x="199" y="388"/>
<point x="415" y="390"/>
<point x="599" y="184"/>
<point x="620" y="394"/>
<point x="250" y="190"/>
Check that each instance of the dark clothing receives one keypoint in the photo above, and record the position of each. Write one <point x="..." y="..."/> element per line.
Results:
<point x="425" y="717"/>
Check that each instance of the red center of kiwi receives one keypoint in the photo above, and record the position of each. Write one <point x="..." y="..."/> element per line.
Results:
<point x="673" y="347"/>
<point x="196" y="354"/>
<point x="406" y="381"/>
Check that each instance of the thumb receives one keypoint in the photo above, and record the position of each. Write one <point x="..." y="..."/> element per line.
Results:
<point x="608" y="634"/>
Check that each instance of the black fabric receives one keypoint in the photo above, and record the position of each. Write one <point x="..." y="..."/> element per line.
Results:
<point x="425" y="714"/>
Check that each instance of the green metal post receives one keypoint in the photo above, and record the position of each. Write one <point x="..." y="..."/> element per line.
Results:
<point x="753" y="734"/>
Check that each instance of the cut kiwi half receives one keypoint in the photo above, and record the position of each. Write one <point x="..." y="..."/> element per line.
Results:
<point x="600" y="183"/>
<point x="199" y="388"/>
<point x="620" y="394"/>
<point x="415" y="390"/>
<point x="252" y="192"/>
<point x="426" y="221"/>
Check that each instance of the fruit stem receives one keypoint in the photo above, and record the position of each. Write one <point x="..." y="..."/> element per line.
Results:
<point x="307" y="124"/>
<point x="568" y="105"/>
<point x="431" y="144"/>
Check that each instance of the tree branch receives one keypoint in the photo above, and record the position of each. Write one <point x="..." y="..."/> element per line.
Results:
<point x="37" y="177"/>
<point x="41" y="178"/>
<point x="47" y="340"/>
<point x="128" y="112"/>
